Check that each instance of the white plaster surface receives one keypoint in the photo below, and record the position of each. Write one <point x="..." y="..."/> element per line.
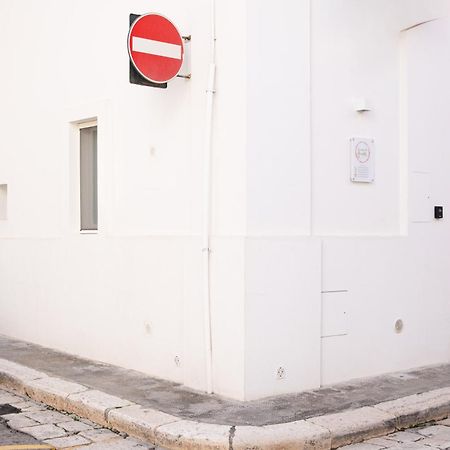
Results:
<point x="287" y="223"/>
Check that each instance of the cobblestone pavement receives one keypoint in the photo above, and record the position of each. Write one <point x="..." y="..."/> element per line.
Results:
<point x="431" y="436"/>
<point x="61" y="431"/>
<point x="12" y="437"/>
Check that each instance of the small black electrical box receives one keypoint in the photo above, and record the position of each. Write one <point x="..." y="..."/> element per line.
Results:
<point x="438" y="212"/>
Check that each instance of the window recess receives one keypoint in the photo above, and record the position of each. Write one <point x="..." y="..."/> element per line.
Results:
<point x="88" y="179"/>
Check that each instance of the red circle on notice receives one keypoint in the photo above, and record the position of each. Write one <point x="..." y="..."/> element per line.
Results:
<point x="156" y="48"/>
<point x="362" y="155"/>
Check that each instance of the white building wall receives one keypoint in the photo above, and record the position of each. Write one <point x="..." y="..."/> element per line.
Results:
<point x="388" y="272"/>
<point x="131" y="294"/>
<point x="331" y="258"/>
<point x="295" y="244"/>
<point x="282" y="260"/>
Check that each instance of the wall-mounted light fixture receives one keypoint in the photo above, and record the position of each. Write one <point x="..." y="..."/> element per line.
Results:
<point x="361" y="105"/>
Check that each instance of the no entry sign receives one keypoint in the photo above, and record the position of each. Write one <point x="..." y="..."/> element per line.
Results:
<point x="156" y="48"/>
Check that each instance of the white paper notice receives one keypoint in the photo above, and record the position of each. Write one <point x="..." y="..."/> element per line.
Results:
<point x="362" y="160"/>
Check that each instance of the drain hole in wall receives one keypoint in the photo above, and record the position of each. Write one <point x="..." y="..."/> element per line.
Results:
<point x="399" y="326"/>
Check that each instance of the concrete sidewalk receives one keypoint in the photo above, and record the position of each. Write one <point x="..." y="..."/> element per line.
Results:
<point x="171" y="416"/>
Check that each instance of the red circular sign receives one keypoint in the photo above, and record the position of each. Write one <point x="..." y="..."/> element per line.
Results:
<point x="156" y="48"/>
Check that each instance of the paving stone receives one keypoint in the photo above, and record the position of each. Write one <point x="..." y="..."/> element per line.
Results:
<point x="435" y="442"/>
<point x="26" y="405"/>
<point x="363" y="446"/>
<point x="98" y="435"/>
<point x="405" y="436"/>
<point x="11" y="416"/>
<point x="435" y="431"/>
<point x="139" y="444"/>
<point x="6" y="397"/>
<point x="15" y="416"/>
<point x="409" y="446"/>
<point x="68" y="442"/>
<point x="48" y="416"/>
<point x="35" y="409"/>
<point x="119" y="444"/>
<point x="21" y="421"/>
<point x="382" y="441"/>
<point x="74" y="426"/>
<point x="406" y="440"/>
<point x="41" y="432"/>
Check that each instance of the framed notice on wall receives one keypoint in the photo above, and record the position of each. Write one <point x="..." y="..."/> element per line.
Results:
<point x="362" y="160"/>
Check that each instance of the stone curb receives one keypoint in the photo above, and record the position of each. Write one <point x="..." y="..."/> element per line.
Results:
<point x="155" y="427"/>
<point x="420" y="408"/>
<point x="356" y="425"/>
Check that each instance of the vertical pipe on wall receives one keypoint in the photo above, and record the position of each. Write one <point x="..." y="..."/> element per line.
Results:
<point x="403" y="114"/>
<point x="206" y="220"/>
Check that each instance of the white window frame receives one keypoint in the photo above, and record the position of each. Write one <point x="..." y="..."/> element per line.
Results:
<point x="76" y="173"/>
<point x="3" y="202"/>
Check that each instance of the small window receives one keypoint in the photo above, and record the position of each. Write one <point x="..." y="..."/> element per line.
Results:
<point x="88" y="179"/>
<point x="3" y="201"/>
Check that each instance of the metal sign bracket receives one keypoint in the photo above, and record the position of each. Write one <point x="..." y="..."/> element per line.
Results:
<point x="185" y="71"/>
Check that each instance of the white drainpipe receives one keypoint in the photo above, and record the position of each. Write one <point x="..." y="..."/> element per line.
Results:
<point x="206" y="222"/>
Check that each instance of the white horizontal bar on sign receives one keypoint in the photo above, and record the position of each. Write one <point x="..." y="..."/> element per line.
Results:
<point x="158" y="48"/>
